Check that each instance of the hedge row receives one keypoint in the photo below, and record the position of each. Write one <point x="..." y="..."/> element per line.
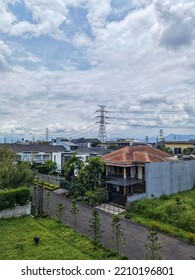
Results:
<point x="46" y="185"/>
<point x="13" y="197"/>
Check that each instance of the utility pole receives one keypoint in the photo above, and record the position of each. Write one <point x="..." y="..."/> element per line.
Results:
<point x="102" y="128"/>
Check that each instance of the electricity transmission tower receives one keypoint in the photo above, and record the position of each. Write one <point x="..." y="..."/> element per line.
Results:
<point x="102" y="128"/>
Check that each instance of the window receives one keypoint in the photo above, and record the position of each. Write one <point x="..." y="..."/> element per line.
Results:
<point x="177" y="151"/>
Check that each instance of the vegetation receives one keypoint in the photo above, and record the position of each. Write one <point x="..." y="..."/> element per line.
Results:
<point x="84" y="180"/>
<point x="118" y="239"/>
<point x="57" y="242"/>
<point x="74" y="211"/>
<point x="153" y="246"/>
<point x="60" y="211"/>
<point x="174" y="214"/>
<point x="163" y="148"/>
<point x="95" y="227"/>
<point x="188" y="151"/>
<point x="13" y="174"/>
<point x="50" y="166"/>
<point x="45" y="185"/>
<point x="11" y="198"/>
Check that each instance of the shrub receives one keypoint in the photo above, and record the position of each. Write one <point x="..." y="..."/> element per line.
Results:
<point x="9" y="198"/>
<point x="50" y="187"/>
<point x="42" y="169"/>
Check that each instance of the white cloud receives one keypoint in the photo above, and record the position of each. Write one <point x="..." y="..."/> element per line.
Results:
<point x="136" y="66"/>
<point x="5" y="52"/>
<point x="176" y="23"/>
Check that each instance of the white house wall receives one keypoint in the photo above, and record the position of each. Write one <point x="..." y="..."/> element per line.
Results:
<point x="57" y="157"/>
<point x="169" y="177"/>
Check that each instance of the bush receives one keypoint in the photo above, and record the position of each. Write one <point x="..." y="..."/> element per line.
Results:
<point x="42" y="169"/>
<point x="10" y="198"/>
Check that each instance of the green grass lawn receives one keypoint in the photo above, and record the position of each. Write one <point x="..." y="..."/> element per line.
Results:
<point x="174" y="214"/>
<point x="57" y="242"/>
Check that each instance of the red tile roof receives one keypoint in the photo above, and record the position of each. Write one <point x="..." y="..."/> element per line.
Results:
<point x="131" y="154"/>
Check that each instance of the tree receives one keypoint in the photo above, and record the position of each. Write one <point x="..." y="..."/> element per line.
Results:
<point x="153" y="245"/>
<point x="71" y="167"/>
<point x="50" y="166"/>
<point x="60" y="210"/>
<point x="163" y="148"/>
<point x="48" y="195"/>
<point x="71" y="170"/>
<point x="118" y="239"/>
<point x="94" y="169"/>
<point x="95" y="227"/>
<point x="13" y="174"/>
<point x="74" y="211"/>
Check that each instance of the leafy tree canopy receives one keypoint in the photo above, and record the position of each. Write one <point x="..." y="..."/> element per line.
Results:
<point x="13" y="174"/>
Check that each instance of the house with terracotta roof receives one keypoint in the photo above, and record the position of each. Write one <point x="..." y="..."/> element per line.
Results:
<point x="126" y="172"/>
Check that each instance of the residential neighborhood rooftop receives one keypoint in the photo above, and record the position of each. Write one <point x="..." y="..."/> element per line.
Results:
<point x="34" y="147"/>
<point x="132" y="154"/>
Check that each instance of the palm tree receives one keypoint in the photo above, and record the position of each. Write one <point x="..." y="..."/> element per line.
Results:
<point x="72" y="168"/>
<point x="94" y="169"/>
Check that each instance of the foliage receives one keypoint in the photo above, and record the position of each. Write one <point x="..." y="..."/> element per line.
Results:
<point x="71" y="167"/>
<point x="48" y="196"/>
<point x="57" y="242"/>
<point x="165" y="149"/>
<point x="95" y="197"/>
<point x="95" y="143"/>
<point x="80" y="177"/>
<point x="42" y="169"/>
<point x="174" y="213"/>
<point x="153" y="246"/>
<point x="74" y="211"/>
<point x="46" y="185"/>
<point x="188" y="151"/>
<point x="13" y="174"/>
<point x="50" y="165"/>
<point x="13" y="197"/>
<point x="60" y="211"/>
<point x="94" y="168"/>
<point x="118" y="237"/>
<point x="95" y="227"/>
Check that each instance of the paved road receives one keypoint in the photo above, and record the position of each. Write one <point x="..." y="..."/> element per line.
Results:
<point x="135" y="235"/>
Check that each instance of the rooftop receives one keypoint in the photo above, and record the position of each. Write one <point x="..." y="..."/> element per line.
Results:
<point x="135" y="154"/>
<point x="20" y="148"/>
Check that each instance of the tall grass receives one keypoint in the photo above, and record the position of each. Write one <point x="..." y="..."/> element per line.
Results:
<point x="174" y="214"/>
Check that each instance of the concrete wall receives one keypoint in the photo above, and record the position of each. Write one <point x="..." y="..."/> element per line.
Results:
<point x="169" y="177"/>
<point x="136" y="197"/>
<point x="50" y="179"/>
<point x="16" y="212"/>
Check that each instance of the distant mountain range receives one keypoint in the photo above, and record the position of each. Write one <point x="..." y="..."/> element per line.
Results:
<point x="174" y="137"/>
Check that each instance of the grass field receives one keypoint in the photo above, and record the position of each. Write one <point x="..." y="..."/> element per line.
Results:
<point x="57" y="242"/>
<point x="174" y="214"/>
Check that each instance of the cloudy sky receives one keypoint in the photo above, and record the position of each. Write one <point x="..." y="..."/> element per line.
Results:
<point x="60" y="59"/>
